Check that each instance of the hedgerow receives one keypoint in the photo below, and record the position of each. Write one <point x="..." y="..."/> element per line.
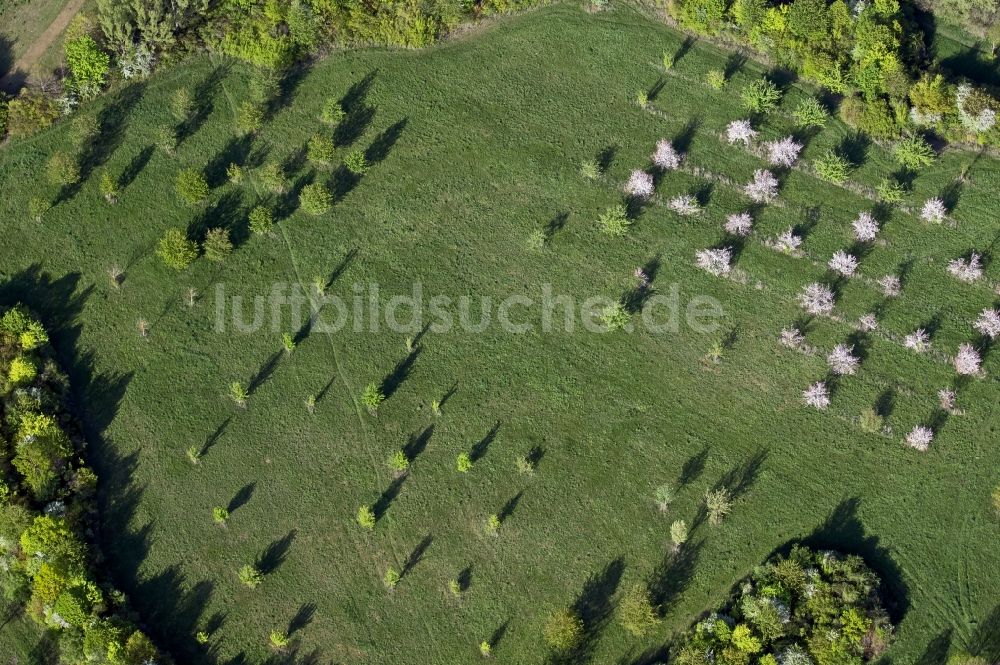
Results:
<point x="47" y="506"/>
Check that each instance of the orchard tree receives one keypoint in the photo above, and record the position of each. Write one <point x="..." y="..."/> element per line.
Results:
<point x="191" y="186"/>
<point x="63" y="169"/>
<point x="176" y="249"/>
<point x="636" y="611"/>
<point x="315" y="199"/>
<point x="217" y="245"/>
<point x="563" y="630"/>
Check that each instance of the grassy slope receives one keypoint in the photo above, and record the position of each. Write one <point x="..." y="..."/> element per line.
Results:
<point x="495" y="128"/>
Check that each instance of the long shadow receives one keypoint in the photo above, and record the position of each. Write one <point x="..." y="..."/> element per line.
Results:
<point x="555" y="225"/>
<point x="499" y="634"/>
<point x="508" y="508"/>
<point x="417" y="443"/>
<point x="236" y="151"/>
<point x="936" y="652"/>
<point x="388" y="495"/>
<point x="344" y="264"/>
<point x="693" y="467"/>
<point x="448" y="395"/>
<point x="594" y="607"/>
<point x="272" y="557"/>
<point x="226" y="213"/>
<point x="289" y="84"/>
<point x="417" y="555"/>
<point x="203" y="95"/>
<point x="358" y="114"/>
<point x="606" y="157"/>
<point x="265" y="372"/>
<point x="682" y="139"/>
<point x="854" y="148"/>
<point x="843" y="531"/>
<point x="985" y="642"/>
<point x="673" y="574"/>
<point x="399" y="374"/>
<point x="685" y="46"/>
<point x="135" y="166"/>
<point x="242" y="497"/>
<point x="479" y="450"/>
<point x="464" y="578"/>
<point x="303" y="617"/>
<point x="384" y="142"/>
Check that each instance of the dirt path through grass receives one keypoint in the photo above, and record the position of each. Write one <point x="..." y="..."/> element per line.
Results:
<point x="42" y="44"/>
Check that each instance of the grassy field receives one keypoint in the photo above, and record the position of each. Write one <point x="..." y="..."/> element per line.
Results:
<point x="479" y="143"/>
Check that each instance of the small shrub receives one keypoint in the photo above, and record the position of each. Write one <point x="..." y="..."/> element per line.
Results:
<point x="176" y="249"/>
<point x="636" y="611"/>
<point x="320" y="149"/>
<point x="678" y="533"/>
<point x="108" y="187"/>
<point x="235" y="173"/>
<point x="913" y="152"/>
<point x="372" y="397"/>
<point x="590" y="169"/>
<point x="664" y="495"/>
<point x="715" y="78"/>
<point x="525" y="464"/>
<point x="761" y="96"/>
<point x="614" y="221"/>
<point x="872" y="116"/>
<point x="463" y="463"/>
<point x="642" y="99"/>
<point x="332" y="113"/>
<point x="832" y="167"/>
<point x="485" y="649"/>
<point x="563" y="630"/>
<point x="366" y="517"/>
<point x="537" y="240"/>
<point x="220" y="515"/>
<point x="890" y="190"/>
<point x="391" y="578"/>
<point x="615" y="317"/>
<point x="810" y="113"/>
<point x="251" y="576"/>
<point x="37" y="207"/>
<point x="181" y="105"/>
<point x="871" y="422"/>
<point x="249" y="117"/>
<point x="399" y="462"/>
<point x="191" y="186"/>
<point x="63" y="169"/>
<point x="279" y="639"/>
<point x="493" y="523"/>
<point x="356" y="162"/>
<point x="30" y="112"/>
<point x="718" y="503"/>
<point x="455" y="588"/>
<point x="261" y="221"/>
<point x="273" y="177"/>
<point x="238" y="393"/>
<point x="996" y="499"/>
<point x="315" y="199"/>
<point x="217" y="245"/>
<point x="288" y="342"/>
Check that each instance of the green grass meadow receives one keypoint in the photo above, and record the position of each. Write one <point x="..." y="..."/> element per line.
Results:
<point x="480" y="142"/>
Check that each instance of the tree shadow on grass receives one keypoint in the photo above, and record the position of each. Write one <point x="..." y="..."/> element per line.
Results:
<point x="479" y="450"/>
<point x="203" y="95"/>
<point x="417" y="443"/>
<point x="236" y="151"/>
<point x="985" y="642"/>
<point x="265" y="372"/>
<point x="508" y="508"/>
<point x="844" y="532"/>
<point x="275" y="554"/>
<point x="303" y="617"/>
<point x="673" y="574"/>
<point x="388" y="495"/>
<point x="693" y="467"/>
<point x="651" y="656"/>
<point x="399" y="374"/>
<point x="606" y="157"/>
<point x="358" y="115"/>
<point x="683" y="139"/>
<point x="594" y="607"/>
<point x="135" y="167"/>
<point x="380" y="148"/>
<point x="417" y="555"/>
<point x="936" y="652"/>
<point x="242" y="497"/>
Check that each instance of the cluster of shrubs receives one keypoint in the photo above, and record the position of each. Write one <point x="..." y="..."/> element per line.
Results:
<point x="46" y="507"/>
<point x="870" y="52"/>
<point x="808" y="607"/>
